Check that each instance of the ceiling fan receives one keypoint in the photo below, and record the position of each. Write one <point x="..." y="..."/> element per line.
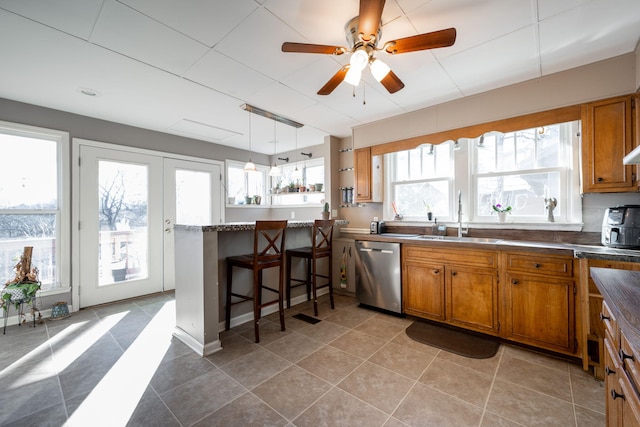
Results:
<point x="363" y="33"/>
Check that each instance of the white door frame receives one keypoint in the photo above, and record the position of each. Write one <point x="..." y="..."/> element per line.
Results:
<point x="75" y="197"/>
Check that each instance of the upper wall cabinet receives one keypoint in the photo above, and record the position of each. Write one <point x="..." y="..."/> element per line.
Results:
<point x="368" y="176"/>
<point x="608" y="135"/>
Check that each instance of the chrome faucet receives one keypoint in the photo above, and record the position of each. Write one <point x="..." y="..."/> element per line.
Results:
<point x="460" y="230"/>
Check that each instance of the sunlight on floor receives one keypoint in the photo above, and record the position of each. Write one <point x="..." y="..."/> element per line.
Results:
<point x="114" y="399"/>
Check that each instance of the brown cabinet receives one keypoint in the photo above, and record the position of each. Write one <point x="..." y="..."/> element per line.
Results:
<point x="362" y="164"/>
<point x="607" y="136"/>
<point x="456" y="287"/>
<point x="538" y="300"/>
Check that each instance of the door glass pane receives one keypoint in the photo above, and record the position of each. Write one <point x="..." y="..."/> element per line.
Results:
<point x="193" y="192"/>
<point x="122" y="204"/>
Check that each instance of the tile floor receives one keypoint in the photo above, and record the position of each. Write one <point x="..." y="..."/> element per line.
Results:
<point x="118" y="365"/>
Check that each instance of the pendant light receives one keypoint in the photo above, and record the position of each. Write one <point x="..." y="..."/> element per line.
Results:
<point x="275" y="170"/>
<point x="250" y="166"/>
<point x="296" y="174"/>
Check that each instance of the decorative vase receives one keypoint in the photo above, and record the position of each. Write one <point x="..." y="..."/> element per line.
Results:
<point x="502" y="216"/>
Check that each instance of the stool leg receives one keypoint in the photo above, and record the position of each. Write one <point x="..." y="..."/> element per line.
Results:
<point x="280" y="297"/>
<point x="288" y="279"/>
<point x="313" y="287"/>
<point x="308" y="284"/>
<point x="257" y="297"/>
<point x="6" y="317"/>
<point x="330" y="281"/>
<point x="227" y="319"/>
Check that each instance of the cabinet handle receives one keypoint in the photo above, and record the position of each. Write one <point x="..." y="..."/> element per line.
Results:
<point x="603" y="317"/>
<point x="436" y="271"/>
<point x="624" y="355"/>
<point x="609" y="371"/>
<point x="615" y="395"/>
<point x="453" y="273"/>
<point x="537" y="265"/>
<point x="599" y="179"/>
<point x="514" y="282"/>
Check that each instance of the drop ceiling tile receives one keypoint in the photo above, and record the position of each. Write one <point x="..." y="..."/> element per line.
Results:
<point x="281" y="99"/>
<point x="548" y="8"/>
<point x="123" y="30"/>
<point x="256" y="42"/>
<point x="326" y="120"/>
<point x="194" y="129"/>
<point x="501" y="62"/>
<point x="477" y="22"/>
<point x="75" y="17"/>
<point x="590" y="33"/>
<point x="204" y="20"/>
<point x="223" y="74"/>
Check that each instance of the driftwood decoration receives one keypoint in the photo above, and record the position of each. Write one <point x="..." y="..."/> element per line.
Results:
<point x="24" y="271"/>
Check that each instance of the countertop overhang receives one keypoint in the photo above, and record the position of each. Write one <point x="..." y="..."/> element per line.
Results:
<point x="249" y="225"/>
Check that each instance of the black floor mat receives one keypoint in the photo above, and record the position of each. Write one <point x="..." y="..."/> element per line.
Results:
<point x="453" y="340"/>
<point x="306" y="318"/>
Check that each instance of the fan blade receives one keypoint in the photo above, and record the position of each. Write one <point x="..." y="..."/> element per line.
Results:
<point x="442" y="38"/>
<point x="334" y="81"/>
<point x="369" y="18"/>
<point x="313" y="48"/>
<point x="392" y="82"/>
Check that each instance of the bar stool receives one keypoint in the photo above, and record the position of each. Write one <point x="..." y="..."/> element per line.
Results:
<point x="321" y="240"/>
<point x="268" y="247"/>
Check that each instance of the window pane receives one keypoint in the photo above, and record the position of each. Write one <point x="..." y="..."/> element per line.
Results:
<point x="412" y="199"/>
<point x="524" y="193"/>
<point x="37" y="230"/>
<point x="549" y="145"/>
<point x="235" y="183"/>
<point x="122" y="201"/>
<point x="191" y="187"/>
<point x="20" y="186"/>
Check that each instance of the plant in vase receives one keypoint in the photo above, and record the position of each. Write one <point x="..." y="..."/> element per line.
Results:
<point x="325" y="211"/>
<point x="502" y="211"/>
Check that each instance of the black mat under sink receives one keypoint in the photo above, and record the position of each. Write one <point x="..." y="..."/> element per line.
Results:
<point x="306" y="318"/>
<point x="453" y="340"/>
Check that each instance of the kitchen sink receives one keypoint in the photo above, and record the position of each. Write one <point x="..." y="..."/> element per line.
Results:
<point x="400" y="235"/>
<point x="486" y="240"/>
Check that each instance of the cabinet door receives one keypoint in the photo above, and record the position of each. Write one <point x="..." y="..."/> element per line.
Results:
<point x="607" y="138"/>
<point x="344" y="250"/>
<point x="540" y="311"/>
<point x="472" y="298"/>
<point x="423" y="289"/>
<point x="362" y="164"/>
<point x="612" y="370"/>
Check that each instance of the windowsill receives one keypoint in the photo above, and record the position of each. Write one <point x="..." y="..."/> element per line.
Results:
<point x="305" y="205"/>
<point x="57" y="291"/>
<point x="494" y="225"/>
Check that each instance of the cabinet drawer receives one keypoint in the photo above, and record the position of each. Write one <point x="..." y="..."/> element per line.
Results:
<point x="610" y="323"/>
<point x="540" y="264"/>
<point x="462" y="256"/>
<point x="629" y="359"/>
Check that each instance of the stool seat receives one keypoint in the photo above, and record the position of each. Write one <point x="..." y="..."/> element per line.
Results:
<point x="321" y="247"/>
<point x="268" y="250"/>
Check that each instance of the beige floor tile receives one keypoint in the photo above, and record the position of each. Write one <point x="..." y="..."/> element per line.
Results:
<point x="256" y="367"/>
<point x="404" y="340"/>
<point x="393" y="422"/>
<point x="324" y="331"/>
<point x="338" y="408"/>
<point x="402" y="360"/>
<point x="294" y="346"/>
<point x="536" y="377"/>
<point x="380" y="328"/>
<point x="425" y="406"/>
<point x="588" y="393"/>
<point x="358" y="343"/>
<point x="587" y="418"/>
<point x="547" y="361"/>
<point x="486" y="366"/>
<point x="463" y="383"/>
<point x="397" y="320"/>
<point x="292" y="391"/>
<point x="330" y="364"/>
<point x="246" y="411"/>
<point x="493" y="420"/>
<point x="529" y="407"/>
<point x="350" y="317"/>
<point x="233" y="347"/>
<point x="269" y="332"/>
<point x="377" y="386"/>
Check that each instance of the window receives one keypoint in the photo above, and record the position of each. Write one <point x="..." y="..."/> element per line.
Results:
<point x="519" y="169"/>
<point x="285" y="189"/>
<point x="32" y="204"/>
<point x="421" y="180"/>
<point x="243" y="187"/>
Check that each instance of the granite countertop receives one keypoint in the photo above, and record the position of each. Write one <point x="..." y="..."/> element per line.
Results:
<point x="621" y="290"/>
<point x="578" y="250"/>
<point x="240" y="226"/>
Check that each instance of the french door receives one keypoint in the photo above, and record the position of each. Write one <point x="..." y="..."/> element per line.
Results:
<point x="128" y="205"/>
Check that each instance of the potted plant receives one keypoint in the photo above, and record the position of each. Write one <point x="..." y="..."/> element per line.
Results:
<point x="325" y="211"/>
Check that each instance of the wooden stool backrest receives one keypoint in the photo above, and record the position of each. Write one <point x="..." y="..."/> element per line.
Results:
<point x="268" y="241"/>
<point x="322" y="236"/>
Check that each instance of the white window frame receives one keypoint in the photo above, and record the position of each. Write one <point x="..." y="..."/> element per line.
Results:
<point x="62" y="282"/>
<point x="261" y="169"/>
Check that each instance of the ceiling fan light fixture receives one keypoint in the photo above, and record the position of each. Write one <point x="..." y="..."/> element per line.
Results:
<point x="379" y="69"/>
<point x="353" y="76"/>
<point x="359" y="59"/>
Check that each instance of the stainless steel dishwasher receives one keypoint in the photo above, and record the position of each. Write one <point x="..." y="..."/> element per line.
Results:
<point x="378" y="275"/>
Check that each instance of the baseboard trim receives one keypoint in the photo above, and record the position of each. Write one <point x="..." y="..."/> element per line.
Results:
<point x="193" y="344"/>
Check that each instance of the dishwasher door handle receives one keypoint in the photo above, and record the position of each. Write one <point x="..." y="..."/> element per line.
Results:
<point x="384" y="251"/>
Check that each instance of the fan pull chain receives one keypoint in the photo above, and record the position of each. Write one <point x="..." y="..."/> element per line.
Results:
<point x="353" y="93"/>
<point x="364" y="94"/>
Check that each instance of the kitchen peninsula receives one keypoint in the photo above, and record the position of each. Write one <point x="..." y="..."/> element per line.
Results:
<point x="200" y="268"/>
